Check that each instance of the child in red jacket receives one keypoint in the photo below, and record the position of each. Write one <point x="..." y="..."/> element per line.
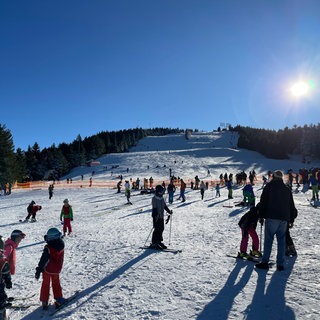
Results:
<point x="50" y="265"/>
<point x="10" y="247"/>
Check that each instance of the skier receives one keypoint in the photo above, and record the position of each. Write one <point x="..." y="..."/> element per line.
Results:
<point x="119" y="186"/>
<point x="50" y="189"/>
<point x="158" y="207"/>
<point x="67" y="216"/>
<point x="32" y="209"/>
<point x="218" y="189"/>
<point x="314" y="185"/>
<point x="127" y="191"/>
<point x="229" y="187"/>
<point x="5" y="281"/>
<point x="171" y="191"/>
<point x="248" y="195"/>
<point x="248" y="224"/>
<point x="290" y="248"/>
<point x="10" y="247"/>
<point x="182" y="191"/>
<point x="50" y="265"/>
<point x="278" y="209"/>
<point x="202" y="189"/>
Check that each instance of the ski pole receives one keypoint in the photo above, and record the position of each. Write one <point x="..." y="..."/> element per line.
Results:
<point x="148" y="237"/>
<point x="260" y="237"/>
<point x="170" y="230"/>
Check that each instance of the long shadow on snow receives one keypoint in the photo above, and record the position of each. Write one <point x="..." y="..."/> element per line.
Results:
<point x="269" y="302"/>
<point x="221" y="305"/>
<point x="93" y="291"/>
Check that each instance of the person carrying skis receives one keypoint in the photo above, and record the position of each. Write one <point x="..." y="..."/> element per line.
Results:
<point x="10" y="247"/>
<point x="32" y="209"/>
<point x="248" y="224"/>
<point x="50" y="265"/>
<point x="67" y="216"/>
<point x="5" y="280"/>
<point x="158" y="207"/>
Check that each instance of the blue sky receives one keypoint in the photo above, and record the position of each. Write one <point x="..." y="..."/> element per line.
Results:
<point x="81" y="67"/>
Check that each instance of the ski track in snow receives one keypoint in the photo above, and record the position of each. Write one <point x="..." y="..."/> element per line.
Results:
<point x="118" y="280"/>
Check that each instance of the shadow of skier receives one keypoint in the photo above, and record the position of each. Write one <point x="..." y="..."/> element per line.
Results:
<point x="269" y="302"/>
<point x="221" y="305"/>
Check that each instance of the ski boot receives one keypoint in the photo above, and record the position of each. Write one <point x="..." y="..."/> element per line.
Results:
<point x="255" y="253"/>
<point x="59" y="302"/>
<point x="242" y="255"/>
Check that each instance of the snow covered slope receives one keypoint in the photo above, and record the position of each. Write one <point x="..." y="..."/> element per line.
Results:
<point x="118" y="280"/>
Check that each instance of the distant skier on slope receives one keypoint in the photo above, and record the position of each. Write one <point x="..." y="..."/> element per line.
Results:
<point x="158" y="207"/>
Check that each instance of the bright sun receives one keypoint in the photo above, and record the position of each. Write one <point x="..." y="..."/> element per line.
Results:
<point x="299" y="89"/>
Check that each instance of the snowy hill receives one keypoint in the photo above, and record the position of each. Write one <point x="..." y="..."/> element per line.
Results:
<point x="118" y="280"/>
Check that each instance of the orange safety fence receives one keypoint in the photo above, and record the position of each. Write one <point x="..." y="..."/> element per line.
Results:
<point x="99" y="183"/>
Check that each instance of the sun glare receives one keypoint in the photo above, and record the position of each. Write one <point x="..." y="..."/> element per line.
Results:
<point x="300" y="88"/>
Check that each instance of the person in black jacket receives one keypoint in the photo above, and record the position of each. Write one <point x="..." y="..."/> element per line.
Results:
<point x="278" y="209"/>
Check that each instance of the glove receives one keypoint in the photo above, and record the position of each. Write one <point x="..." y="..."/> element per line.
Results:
<point x="37" y="275"/>
<point x="290" y="225"/>
<point x="9" y="284"/>
<point x="261" y="221"/>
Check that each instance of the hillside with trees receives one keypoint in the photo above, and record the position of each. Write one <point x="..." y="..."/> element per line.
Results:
<point x="56" y="161"/>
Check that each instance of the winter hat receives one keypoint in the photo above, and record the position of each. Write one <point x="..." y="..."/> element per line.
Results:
<point x="159" y="190"/>
<point x="277" y="174"/>
<point x="16" y="234"/>
<point x="65" y="201"/>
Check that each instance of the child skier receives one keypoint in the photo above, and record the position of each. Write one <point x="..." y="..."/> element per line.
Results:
<point x="218" y="189"/>
<point x="32" y="209"/>
<point x="50" y="265"/>
<point x="10" y="247"/>
<point x="5" y="281"/>
<point x="248" y="224"/>
<point x="67" y="215"/>
<point x="158" y="207"/>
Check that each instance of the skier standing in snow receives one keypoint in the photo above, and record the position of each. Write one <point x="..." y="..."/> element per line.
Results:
<point x="218" y="189"/>
<point x="67" y="216"/>
<point x="158" y="207"/>
<point x="50" y="190"/>
<point x="182" y="191"/>
<point x="248" y="224"/>
<point x="50" y="265"/>
<point x="202" y="189"/>
<point x="127" y="191"/>
<point x="171" y="191"/>
<point x="10" y="247"/>
<point x="5" y="280"/>
<point x="278" y="209"/>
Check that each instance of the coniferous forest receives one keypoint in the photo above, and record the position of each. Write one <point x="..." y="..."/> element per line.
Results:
<point x="56" y="161"/>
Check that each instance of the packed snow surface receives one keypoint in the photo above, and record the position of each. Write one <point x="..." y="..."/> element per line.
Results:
<point x="119" y="280"/>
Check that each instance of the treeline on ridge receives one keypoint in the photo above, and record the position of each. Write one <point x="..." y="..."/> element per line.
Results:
<point x="280" y="144"/>
<point x="54" y="162"/>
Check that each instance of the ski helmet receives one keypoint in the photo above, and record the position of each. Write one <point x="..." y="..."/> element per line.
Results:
<point x="159" y="190"/>
<point x="53" y="234"/>
<point x="16" y="234"/>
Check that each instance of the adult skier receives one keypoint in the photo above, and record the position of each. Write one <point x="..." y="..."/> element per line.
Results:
<point x="158" y="207"/>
